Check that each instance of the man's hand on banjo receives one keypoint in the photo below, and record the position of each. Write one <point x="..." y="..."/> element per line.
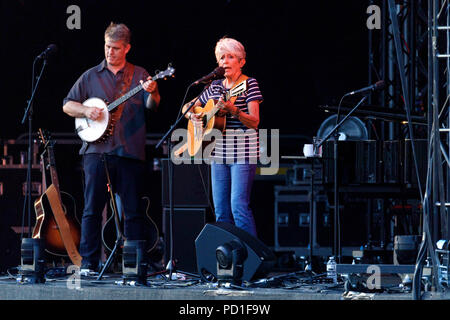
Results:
<point x="93" y="113"/>
<point x="150" y="86"/>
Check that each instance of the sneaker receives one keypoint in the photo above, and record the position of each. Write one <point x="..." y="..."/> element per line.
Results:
<point x="88" y="269"/>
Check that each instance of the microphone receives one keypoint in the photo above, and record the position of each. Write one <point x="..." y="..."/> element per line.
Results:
<point x="377" y="86"/>
<point x="51" y="49"/>
<point x="216" y="74"/>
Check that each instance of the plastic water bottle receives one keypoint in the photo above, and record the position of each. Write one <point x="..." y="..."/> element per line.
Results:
<point x="331" y="270"/>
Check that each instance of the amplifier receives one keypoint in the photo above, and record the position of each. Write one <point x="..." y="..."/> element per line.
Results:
<point x="421" y="146"/>
<point x="399" y="164"/>
<point x="357" y="162"/>
<point x="191" y="185"/>
<point x="13" y="188"/>
<point x="187" y="223"/>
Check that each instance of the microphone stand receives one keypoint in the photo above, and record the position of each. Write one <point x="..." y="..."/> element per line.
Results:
<point x="29" y="114"/>
<point x="337" y="248"/>
<point x="170" y="264"/>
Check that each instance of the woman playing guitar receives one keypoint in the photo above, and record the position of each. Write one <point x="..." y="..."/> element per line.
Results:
<point x="236" y="153"/>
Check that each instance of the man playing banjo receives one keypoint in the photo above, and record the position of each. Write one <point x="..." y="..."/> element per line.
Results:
<point x="122" y="146"/>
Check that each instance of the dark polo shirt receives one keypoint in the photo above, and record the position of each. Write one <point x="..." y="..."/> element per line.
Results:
<point x="128" y="138"/>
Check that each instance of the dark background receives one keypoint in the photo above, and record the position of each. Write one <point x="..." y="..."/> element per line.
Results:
<point x="303" y="54"/>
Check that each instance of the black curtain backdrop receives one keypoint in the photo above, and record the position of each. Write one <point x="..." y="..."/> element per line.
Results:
<point x="303" y="53"/>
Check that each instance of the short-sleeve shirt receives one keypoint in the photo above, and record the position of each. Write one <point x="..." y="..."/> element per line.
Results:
<point x="128" y="138"/>
<point x="238" y="143"/>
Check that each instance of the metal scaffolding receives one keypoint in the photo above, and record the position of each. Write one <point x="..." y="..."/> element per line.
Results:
<point x="411" y="28"/>
<point x="434" y="248"/>
<point x="412" y="55"/>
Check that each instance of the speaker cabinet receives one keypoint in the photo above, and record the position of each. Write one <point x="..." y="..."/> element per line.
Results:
<point x="186" y="225"/>
<point x="260" y="259"/>
<point x="13" y="189"/>
<point x="191" y="185"/>
<point x="421" y="146"/>
<point x="357" y="162"/>
<point x="9" y="248"/>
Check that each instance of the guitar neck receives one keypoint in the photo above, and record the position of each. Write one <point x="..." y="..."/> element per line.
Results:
<point x="124" y="98"/>
<point x="216" y="108"/>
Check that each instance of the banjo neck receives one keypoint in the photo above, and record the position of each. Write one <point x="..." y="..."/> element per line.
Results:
<point x="124" y="98"/>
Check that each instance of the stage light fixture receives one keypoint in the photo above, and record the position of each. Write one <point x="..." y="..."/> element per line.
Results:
<point x="230" y="258"/>
<point x="134" y="265"/>
<point x="32" y="266"/>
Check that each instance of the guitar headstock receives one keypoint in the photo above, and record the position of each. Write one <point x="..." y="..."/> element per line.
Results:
<point x="44" y="137"/>
<point x="239" y="89"/>
<point x="169" y="72"/>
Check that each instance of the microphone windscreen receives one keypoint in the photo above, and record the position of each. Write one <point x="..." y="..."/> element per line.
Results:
<point x="219" y="71"/>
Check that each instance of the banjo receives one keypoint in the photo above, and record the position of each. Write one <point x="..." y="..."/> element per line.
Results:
<point x="98" y="130"/>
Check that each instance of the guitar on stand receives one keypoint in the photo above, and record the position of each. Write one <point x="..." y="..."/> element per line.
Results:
<point x="98" y="130"/>
<point x="61" y="234"/>
<point x="109" y="234"/>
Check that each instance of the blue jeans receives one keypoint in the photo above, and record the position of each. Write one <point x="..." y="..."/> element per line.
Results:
<point x="231" y="188"/>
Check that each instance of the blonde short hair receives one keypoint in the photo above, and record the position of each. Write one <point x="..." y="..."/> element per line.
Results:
<point x="229" y="45"/>
<point x="118" y="32"/>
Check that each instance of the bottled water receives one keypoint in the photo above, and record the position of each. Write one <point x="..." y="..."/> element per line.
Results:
<point x="331" y="270"/>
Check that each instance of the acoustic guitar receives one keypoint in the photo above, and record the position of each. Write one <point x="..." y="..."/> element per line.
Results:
<point x="61" y="234"/>
<point x="150" y="229"/>
<point x="97" y="130"/>
<point x="197" y="131"/>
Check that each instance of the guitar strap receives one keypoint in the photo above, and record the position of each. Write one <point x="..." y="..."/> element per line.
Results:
<point x="54" y="198"/>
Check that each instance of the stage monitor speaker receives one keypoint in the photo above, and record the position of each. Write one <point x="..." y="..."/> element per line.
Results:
<point x="187" y="224"/>
<point x="260" y="259"/>
<point x="190" y="185"/>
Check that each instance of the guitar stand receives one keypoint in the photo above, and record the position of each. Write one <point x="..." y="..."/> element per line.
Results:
<point x="119" y="240"/>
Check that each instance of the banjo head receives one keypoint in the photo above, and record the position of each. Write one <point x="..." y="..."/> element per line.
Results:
<point x="90" y="130"/>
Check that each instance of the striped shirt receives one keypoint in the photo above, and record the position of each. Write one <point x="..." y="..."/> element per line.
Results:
<point x="238" y="143"/>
